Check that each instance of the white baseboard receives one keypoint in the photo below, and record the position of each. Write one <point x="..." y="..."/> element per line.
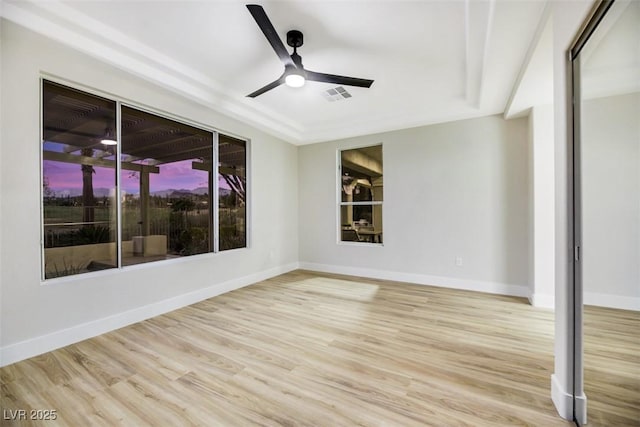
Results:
<point x="612" y="301"/>
<point x="581" y="409"/>
<point x="421" y="279"/>
<point x="45" y="343"/>
<point x="542" y="300"/>
<point x="590" y="298"/>
<point x="562" y="399"/>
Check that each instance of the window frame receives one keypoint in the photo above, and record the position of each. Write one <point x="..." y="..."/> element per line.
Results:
<point x="340" y="203"/>
<point x="214" y="197"/>
<point x="247" y="187"/>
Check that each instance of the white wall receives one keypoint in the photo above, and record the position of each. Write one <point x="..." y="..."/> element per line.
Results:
<point x="611" y="201"/>
<point x="36" y="316"/>
<point x="451" y="190"/>
<point x="542" y="180"/>
<point x="1" y="156"/>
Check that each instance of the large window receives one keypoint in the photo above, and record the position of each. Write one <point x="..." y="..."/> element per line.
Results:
<point x="163" y="198"/>
<point x="360" y="190"/>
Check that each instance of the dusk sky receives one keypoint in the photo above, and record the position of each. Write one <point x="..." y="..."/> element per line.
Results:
<point x="65" y="177"/>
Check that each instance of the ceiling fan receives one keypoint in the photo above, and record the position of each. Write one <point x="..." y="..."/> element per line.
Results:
<point x="294" y="74"/>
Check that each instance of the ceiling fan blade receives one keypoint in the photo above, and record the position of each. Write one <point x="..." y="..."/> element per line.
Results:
<point x="267" y="88"/>
<point x="270" y="33"/>
<point x="338" y="80"/>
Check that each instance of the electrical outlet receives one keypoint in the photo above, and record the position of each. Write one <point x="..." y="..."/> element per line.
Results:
<point x="459" y="261"/>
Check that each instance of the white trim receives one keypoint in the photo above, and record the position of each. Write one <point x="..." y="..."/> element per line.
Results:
<point x="2" y="240"/>
<point x="422" y="279"/>
<point x="542" y="300"/>
<point x="562" y="400"/>
<point x="363" y="244"/>
<point x="371" y="203"/>
<point x="248" y="192"/>
<point x="41" y="179"/>
<point x="215" y="185"/>
<point x="117" y="191"/>
<point x="32" y="347"/>
<point x="612" y="301"/>
<point x="581" y="409"/>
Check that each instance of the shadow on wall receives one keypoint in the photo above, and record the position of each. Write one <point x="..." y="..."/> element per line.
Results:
<point x="515" y="208"/>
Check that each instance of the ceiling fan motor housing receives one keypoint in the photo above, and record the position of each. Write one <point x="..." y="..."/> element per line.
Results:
<point x="294" y="38"/>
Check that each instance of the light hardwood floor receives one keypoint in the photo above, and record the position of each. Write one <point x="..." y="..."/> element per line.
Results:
<point x="306" y="349"/>
<point x="612" y="366"/>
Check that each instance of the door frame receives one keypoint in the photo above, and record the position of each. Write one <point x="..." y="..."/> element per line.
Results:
<point x="575" y="206"/>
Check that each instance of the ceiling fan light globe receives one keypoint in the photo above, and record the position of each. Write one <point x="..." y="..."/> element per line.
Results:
<point x="294" y="80"/>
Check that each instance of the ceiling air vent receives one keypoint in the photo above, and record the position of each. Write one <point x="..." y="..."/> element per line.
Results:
<point x="336" y="94"/>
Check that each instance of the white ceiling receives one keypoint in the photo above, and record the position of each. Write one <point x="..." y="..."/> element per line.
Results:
<point x="432" y="61"/>
<point x="609" y="61"/>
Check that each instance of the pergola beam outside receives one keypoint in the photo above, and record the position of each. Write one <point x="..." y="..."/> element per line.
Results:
<point x="86" y="160"/>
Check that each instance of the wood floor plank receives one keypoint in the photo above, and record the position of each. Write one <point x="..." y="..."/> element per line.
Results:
<point x="612" y="366"/>
<point x="319" y="350"/>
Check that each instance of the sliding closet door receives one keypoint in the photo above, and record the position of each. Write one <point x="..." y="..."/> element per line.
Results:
<point x="607" y="167"/>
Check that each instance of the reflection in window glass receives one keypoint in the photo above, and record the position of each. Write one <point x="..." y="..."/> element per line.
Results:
<point x="165" y="186"/>
<point x="163" y="199"/>
<point x="232" y="192"/>
<point x="78" y="188"/>
<point x="361" y="190"/>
